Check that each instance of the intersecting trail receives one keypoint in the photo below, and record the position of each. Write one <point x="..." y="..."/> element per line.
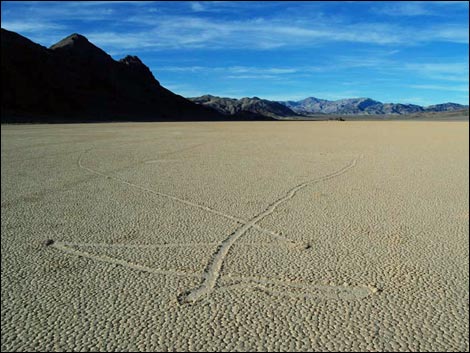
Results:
<point x="166" y="245"/>
<point x="292" y="289"/>
<point x="189" y="203"/>
<point x="111" y="260"/>
<point x="287" y="288"/>
<point x="213" y="269"/>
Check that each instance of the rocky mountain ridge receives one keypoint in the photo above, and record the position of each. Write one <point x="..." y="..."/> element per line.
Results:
<point x="245" y="106"/>
<point x="363" y="106"/>
<point x="75" y="81"/>
<point x="313" y="106"/>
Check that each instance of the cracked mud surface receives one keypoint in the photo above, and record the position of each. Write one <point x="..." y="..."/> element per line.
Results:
<point x="235" y="236"/>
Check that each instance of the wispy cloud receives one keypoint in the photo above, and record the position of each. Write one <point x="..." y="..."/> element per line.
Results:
<point x="415" y="8"/>
<point x="197" y="6"/>
<point x="238" y="72"/>
<point x="261" y="33"/>
<point x="31" y="26"/>
<point x="232" y="69"/>
<point x="451" y="71"/>
<point x="440" y="68"/>
<point x="197" y="33"/>
<point x="120" y="2"/>
<point x="442" y="88"/>
<point x="63" y="11"/>
<point x="162" y="31"/>
<point x="418" y="8"/>
<point x="254" y="77"/>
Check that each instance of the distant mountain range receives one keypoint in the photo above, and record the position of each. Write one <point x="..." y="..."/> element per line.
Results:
<point x="75" y="81"/>
<point x="364" y="106"/>
<point x="313" y="106"/>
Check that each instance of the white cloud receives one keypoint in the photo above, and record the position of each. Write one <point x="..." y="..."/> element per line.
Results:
<point x="418" y="8"/>
<point x="451" y="33"/>
<point x="112" y="40"/>
<point x="142" y="28"/>
<point x="387" y="69"/>
<point x="254" y="77"/>
<point x="257" y="70"/>
<point x="398" y="8"/>
<point x="197" y="6"/>
<point x="453" y="71"/>
<point x="440" y="68"/>
<point x="99" y="3"/>
<point x="442" y="88"/>
<point x="31" y="26"/>
<point x="232" y="69"/>
<point x="262" y="33"/>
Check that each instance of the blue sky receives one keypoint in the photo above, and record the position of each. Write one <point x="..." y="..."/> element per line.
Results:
<point x="407" y="52"/>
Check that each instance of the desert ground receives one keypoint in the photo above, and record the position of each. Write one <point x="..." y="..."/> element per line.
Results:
<point x="323" y="236"/>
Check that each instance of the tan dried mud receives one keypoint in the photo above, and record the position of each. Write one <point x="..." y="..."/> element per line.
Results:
<point x="306" y="236"/>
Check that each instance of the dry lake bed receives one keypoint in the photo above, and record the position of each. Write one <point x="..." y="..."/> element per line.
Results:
<point x="235" y="236"/>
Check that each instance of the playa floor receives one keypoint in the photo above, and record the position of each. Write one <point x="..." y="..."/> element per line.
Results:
<point x="349" y="236"/>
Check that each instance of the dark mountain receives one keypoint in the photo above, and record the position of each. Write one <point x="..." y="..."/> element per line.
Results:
<point x="74" y="80"/>
<point x="364" y="106"/>
<point x="244" y="106"/>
